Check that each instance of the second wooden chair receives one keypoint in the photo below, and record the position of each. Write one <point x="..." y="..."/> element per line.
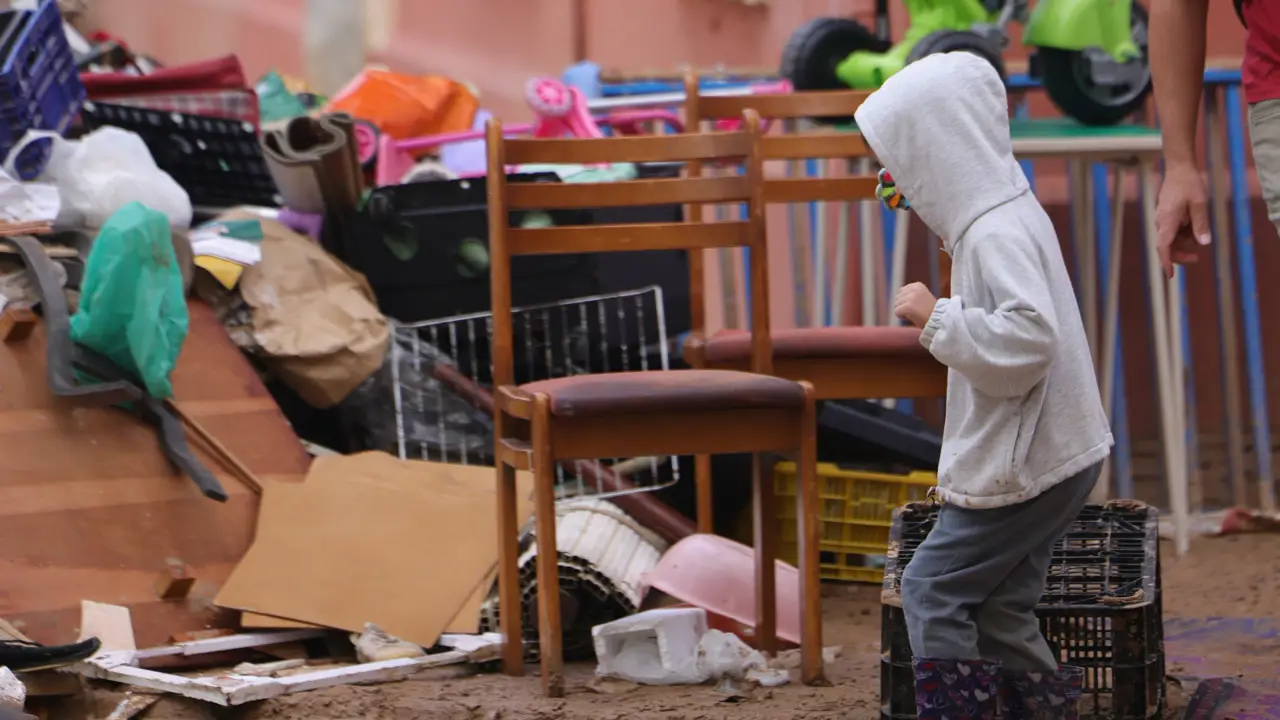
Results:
<point x="845" y="362"/>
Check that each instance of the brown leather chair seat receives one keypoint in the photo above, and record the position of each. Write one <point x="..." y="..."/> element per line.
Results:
<point x="822" y="342"/>
<point x="666" y="392"/>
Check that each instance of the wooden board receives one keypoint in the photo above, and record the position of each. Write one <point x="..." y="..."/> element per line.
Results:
<point x="91" y="510"/>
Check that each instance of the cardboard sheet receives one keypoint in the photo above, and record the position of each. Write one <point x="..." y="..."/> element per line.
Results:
<point x="409" y="545"/>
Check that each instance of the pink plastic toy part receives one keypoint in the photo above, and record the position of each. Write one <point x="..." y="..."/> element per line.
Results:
<point x="718" y="575"/>
<point x="628" y="122"/>
<point x="367" y="137"/>
<point x="395" y="157"/>
<point x="561" y="110"/>
<point x="782" y="87"/>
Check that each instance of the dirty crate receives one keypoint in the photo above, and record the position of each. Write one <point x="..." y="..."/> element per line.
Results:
<point x="40" y="87"/>
<point x="1101" y="610"/>
<point x="856" y="508"/>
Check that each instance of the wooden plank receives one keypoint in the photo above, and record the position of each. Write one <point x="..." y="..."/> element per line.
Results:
<point x="228" y="689"/>
<point x="111" y="624"/>
<point x="16" y="324"/>
<point x="90" y="507"/>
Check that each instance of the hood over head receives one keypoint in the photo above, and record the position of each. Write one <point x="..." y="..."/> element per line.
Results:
<point x="941" y="128"/>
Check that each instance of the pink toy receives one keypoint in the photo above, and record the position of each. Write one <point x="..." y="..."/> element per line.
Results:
<point x="781" y="87"/>
<point x="561" y="111"/>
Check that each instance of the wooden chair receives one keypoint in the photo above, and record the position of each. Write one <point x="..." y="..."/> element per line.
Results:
<point x="627" y="414"/>
<point x="840" y="362"/>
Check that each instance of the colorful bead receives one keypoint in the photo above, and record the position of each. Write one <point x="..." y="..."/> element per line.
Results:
<point x="888" y="193"/>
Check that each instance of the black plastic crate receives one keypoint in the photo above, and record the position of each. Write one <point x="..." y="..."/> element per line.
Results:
<point x="218" y="161"/>
<point x="1101" y="610"/>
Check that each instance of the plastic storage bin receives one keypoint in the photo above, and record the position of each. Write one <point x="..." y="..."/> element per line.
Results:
<point x="40" y="86"/>
<point x="856" y="508"/>
<point x="1101" y="610"/>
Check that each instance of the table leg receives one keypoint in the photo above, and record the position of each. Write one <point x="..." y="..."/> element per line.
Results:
<point x="800" y="266"/>
<point x="818" y="212"/>
<point x="1110" y="322"/>
<point x="867" y="210"/>
<point x="840" y="281"/>
<point x="1219" y="188"/>
<point x="1249" y="298"/>
<point x="726" y="258"/>
<point x="1172" y="434"/>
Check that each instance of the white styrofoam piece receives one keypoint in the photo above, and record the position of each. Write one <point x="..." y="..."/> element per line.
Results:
<point x="656" y="647"/>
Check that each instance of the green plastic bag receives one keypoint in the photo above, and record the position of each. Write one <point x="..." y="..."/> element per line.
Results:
<point x="132" y="306"/>
<point x="275" y="102"/>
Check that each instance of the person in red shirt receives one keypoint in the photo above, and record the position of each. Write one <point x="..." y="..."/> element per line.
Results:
<point x="1177" y="46"/>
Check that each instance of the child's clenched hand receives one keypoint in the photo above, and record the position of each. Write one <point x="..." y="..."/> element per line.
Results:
<point x="914" y="304"/>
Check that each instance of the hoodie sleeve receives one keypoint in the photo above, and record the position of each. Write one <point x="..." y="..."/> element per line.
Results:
<point x="1004" y="352"/>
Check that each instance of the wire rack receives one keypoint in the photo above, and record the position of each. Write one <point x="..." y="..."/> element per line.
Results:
<point x="616" y="332"/>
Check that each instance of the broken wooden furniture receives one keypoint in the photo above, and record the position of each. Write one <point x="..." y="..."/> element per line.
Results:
<point x="842" y="363"/>
<point x="90" y="507"/>
<point x="89" y="379"/>
<point x="649" y="412"/>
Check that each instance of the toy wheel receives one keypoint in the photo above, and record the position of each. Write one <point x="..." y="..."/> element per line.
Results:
<point x="1091" y="87"/>
<point x="944" y="41"/>
<point x="815" y="49"/>
<point x="367" y="135"/>
<point x="548" y="97"/>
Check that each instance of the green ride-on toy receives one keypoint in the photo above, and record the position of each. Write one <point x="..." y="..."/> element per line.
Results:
<point x="1090" y="55"/>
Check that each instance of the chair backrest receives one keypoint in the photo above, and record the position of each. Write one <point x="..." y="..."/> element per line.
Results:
<point x="740" y="147"/>
<point x="829" y="143"/>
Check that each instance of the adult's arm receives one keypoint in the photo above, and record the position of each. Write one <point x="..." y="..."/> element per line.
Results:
<point x="1177" y="46"/>
<point x="1177" y="40"/>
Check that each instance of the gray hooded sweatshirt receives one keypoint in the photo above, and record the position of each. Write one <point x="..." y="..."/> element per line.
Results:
<point x="1023" y="408"/>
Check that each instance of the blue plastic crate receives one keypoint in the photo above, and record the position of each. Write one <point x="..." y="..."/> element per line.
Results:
<point x="40" y="86"/>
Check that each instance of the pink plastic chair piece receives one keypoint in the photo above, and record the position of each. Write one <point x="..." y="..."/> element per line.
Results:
<point x="395" y="158"/>
<point x="719" y="576"/>
<point x="627" y="122"/>
<point x="561" y="110"/>
<point x="780" y="87"/>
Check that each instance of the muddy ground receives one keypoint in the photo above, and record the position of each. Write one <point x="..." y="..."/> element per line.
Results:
<point x="1232" y="576"/>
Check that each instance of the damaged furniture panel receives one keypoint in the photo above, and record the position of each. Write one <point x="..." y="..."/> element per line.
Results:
<point x="91" y="509"/>
<point x="60" y="350"/>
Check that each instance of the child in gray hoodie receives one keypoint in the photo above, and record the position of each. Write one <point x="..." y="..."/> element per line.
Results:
<point x="1025" y="431"/>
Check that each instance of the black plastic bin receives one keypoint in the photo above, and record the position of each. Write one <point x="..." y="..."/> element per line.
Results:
<point x="1101" y="610"/>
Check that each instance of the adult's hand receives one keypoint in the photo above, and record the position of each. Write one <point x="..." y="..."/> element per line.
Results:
<point x="1182" y="217"/>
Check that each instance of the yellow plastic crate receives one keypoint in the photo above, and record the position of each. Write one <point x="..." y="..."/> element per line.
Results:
<point x="856" y="508"/>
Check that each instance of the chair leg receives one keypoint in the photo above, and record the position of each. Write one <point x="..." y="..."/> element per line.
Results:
<point x="808" y="522"/>
<point x="765" y="521"/>
<point x="509" y="571"/>
<point x="702" y="478"/>
<point x="544" y="478"/>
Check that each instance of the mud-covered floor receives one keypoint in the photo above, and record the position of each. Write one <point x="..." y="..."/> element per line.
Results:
<point x="1232" y="576"/>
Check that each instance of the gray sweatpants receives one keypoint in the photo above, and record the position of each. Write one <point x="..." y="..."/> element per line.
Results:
<point x="971" y="589"/>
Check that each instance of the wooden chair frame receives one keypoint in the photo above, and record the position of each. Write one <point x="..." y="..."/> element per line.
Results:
<point x="530" y="436"/>
<point x="834" y="376"/>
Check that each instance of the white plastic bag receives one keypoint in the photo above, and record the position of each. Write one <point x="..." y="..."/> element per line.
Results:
<point x="106" y="170"/>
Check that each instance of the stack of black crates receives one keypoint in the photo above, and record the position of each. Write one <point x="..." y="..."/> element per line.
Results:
<point x="1101" y="610"/>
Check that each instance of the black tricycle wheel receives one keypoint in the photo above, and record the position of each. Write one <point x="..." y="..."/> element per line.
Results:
<point x="1074" y="83"/>
<point x="816" y="48"/>
<point x="944" y="41"/>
